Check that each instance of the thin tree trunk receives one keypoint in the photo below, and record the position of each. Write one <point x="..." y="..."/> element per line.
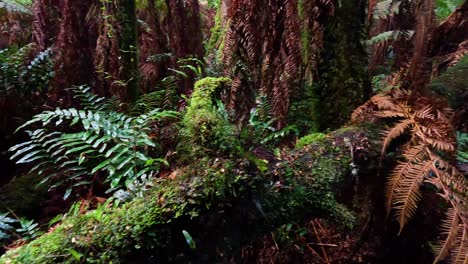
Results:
<point x="128" y="47"/>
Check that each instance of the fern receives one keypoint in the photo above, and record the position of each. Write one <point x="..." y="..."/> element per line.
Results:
<point x="430" y="133"/>
<point x="90" y="101"/>
<point x="109" y="143"/>
<point x="12" y="229"/>
<point x="17" y="6"/>
<point x="6" y="226"/>
<point x="20" y="75"/>
<point x="165" y="97"/>
<point x="462" y="151"/>
<point x="386" y="8"/>
<point x="389" y="36"/>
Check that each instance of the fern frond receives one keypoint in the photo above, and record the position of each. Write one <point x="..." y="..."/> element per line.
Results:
<point x="385" y="102"/>
<point x="390" y="114"/>
<point x="109" y="142"/>
<point x="409" y="193"/>
<point x="360" y="113"/>
<point x="394" y="132"/>
<point x="450" y="228"/>
<point x="90" y="101"/>
<point x="413" y="156"/>
<point x="389" y="36"/>
<point x="460" y="251"/>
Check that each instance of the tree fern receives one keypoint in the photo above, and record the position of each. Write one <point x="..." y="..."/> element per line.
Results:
<point x="110" y="143"/>
<point x="429" y="133"/>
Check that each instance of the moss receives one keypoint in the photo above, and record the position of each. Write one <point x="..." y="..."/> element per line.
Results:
<point x="327" y="164"/>
<point x="309" y="139"/>
<point x="110" y="234"/>
<point x="204" y="125"/>
<point x="210" y="199"/>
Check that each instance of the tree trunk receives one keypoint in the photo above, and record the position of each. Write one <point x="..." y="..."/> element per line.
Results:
<point x="128" y="47"/>
<point x="343" y="82"/>
<point x="73" y="49"/>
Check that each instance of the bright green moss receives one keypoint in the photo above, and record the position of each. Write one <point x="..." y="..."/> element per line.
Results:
<point x="309" y="139"/>
<point x="206" y="126"/>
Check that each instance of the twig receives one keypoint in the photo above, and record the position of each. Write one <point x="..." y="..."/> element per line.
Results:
<point x="320" y="241"/>
<point x="323" y="245"/>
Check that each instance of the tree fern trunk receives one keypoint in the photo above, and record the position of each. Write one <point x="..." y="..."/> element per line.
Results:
<point x="343" y="81"/>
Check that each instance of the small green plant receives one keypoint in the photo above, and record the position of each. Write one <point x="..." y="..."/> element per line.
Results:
<point x="28" y="229"/>
<point x="165" y="97"/>
<point x="194" y="65"/>
<point x="13" y="229"/>
<point x="445" y="8"/>
<point x="462" y="150"/>
<point x="23" y="76"/>
<point x="6" y="226"/>
<point x="261" y="128"/>
<point x="104" y="142"/>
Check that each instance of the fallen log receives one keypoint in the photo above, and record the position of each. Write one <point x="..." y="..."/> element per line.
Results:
<point x="210" y="209"/>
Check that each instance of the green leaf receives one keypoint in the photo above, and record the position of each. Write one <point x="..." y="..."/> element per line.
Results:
<point x="100" y="166"/>
<point x="189" y="239"/>
<point x="75" y="254"/>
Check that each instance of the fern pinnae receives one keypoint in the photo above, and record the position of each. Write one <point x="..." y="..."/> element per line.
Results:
<point x="409" y="193"/>
<point x="393" y="133"/>
<point x="412" y="156"/>
<point x="450" y="227"/>
<point x="461" y="256"/>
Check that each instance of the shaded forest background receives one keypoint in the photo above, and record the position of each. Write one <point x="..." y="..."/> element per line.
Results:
<point x="234" y="131"/>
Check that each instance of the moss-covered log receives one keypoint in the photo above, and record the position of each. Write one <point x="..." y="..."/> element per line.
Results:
<point x="222" y="204"/>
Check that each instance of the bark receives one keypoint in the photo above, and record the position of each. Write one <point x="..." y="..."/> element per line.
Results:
<point x="128" y="47"/>
<point x="46" y="26"/>
<point x="74" y="59"/>
<point x="343" y="81"/>
<point x="450" y="33"/>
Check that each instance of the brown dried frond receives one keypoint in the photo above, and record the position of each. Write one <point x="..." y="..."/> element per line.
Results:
<point x="395" y="132"/>
<point x="413" y="155"/>
<point x="408" y="193"/>
<point x="453" y="187"/>
<point x="460" y="250"/>
<point x="428" y="126"/>
<point x="450" y="228"/>
<point x="380" y="106"/>
<point x="268" y="58"/>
